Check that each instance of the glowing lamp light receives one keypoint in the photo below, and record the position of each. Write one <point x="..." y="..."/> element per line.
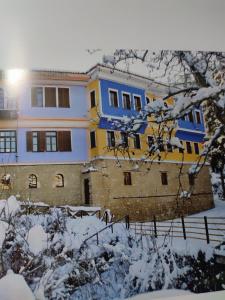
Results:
<point x="14" y="76"/>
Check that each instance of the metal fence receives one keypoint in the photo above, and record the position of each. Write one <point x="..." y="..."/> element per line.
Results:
<point x="210" y="229"/>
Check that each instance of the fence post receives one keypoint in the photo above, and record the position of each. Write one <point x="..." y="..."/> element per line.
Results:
<point x="81" y="214"/>
<point x="183" y="225"/>
<point x="112" y="228"/>
<point x="155" y="228"/>
<point x="127" y="221"/>
<point x="97" y="238"/>
<point x="99" y="214"/>
<point x="206" y="229"/>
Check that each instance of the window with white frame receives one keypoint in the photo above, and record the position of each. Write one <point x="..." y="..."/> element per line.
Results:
<point x="198" y="117"/>
<point x="50" y="96"/>
<point x="137" y="102"/>
<point x="8" y="141"/>
<point x="126" y="101"/>
<point x="113" y="98"/>
<point x="111" y="139"/>
<point x="51" y="141"/>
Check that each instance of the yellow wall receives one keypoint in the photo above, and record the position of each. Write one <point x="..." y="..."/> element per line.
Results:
<point x="101" y="148"/>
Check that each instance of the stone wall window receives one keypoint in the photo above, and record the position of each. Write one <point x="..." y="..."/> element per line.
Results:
<point x="6" y="182"/>
<point x="59" y="180"/>
<point x="32" y="181"/>
<point x="127" y="178"/>
<point x="164" y="178"/>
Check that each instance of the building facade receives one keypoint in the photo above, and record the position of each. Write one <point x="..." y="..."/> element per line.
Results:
<point x="58" y="138"/>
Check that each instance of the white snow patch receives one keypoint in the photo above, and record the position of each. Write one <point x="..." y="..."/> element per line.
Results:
<point x="14" y="287"/>
<point x="9" y="207"/>
<point x="37" y="239"/>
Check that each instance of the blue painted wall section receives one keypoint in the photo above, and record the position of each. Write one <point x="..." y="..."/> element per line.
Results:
<point x="119" y="111"/>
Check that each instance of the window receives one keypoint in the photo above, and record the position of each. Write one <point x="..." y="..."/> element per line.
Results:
<point x="164" y="178"/>
<point x="7" y="141"/>
<point x="49" y="141"/>
<point x="32" y="181"/>
<point x="196" y="147"/>
<point x="92" y="97"/>
<point x="191" y="179"/>
<point x="180" y="149"/>
<point x="160" y="144"/>
<point x="147" y="100"/>
<point x="1" y="98"/>
<point x="198" y="117"/>
<point x="50" y="97"/>
<point x="190" y="116"/>
<point x="189" y="149"/>
<point x="59" y="180"/>
<point x="137" y="103"/>
<point x="137" y="143"/>
<point x="6" y="182"/>
<point x="169" y="147"/>
<point x="126" y="101"/>
<point x="150" y="141"/>
<point x="113" y="96"/>
<point x="63" y="97"/>
<point x="111" y="138"/>
<point x="127" y="178"/>
<point x="124" y="138"/>
<point x="93" y="139"/>
<point x="37" y="96"/>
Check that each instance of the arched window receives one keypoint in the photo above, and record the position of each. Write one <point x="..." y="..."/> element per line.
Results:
<point x="32" y="181"/>
<point x="59" y="180"/>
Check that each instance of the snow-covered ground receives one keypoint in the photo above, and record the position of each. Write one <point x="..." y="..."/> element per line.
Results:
<point x="51" y="247"/>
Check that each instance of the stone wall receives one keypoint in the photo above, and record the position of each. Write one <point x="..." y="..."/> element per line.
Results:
<point x="147" y="196"/>
<point x="46" y="190"/>
<point x="142" y="200"/>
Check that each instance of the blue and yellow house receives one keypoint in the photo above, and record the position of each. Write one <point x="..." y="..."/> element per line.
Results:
<point x="59" y="144"/>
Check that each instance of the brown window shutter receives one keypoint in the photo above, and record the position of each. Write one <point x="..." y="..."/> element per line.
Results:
<point x="29" y="141"/>
<point x="50" y="97"/>
<point x="63" y="94"/>
<point x="41" y="141"/>
<point x="64" y="140"/>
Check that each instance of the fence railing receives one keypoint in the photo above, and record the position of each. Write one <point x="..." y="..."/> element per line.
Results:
<point x="125" y="220"/>
<point x="210" y="229"/>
